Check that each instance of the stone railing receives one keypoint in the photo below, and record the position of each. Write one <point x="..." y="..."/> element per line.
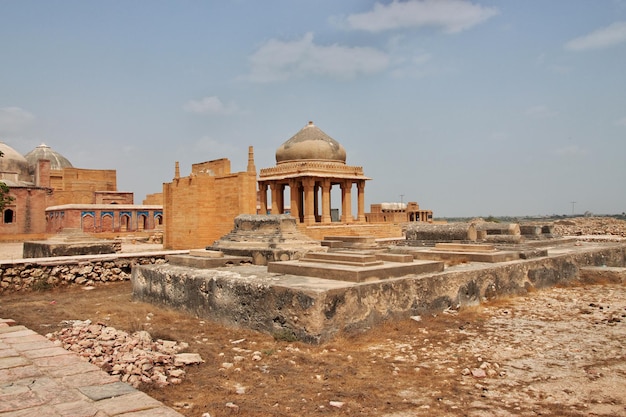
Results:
<point x="45" y="273"/>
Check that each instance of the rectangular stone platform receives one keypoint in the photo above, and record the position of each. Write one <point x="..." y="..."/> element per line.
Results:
<point x="314" y="309"/>
<point x="206" y="259"/>
<point x="458" y="256"/>
<point x="54" y="248"/>
<point x="349" y="272"/>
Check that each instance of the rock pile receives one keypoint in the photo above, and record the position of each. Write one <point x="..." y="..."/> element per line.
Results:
<point x="136" y="358"/>
<point x="585" y="226"/>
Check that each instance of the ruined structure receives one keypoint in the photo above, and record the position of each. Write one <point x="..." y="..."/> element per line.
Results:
<point x="398" y="213"/>
<point x="200" y="208"/>
<point x="266" y="238"/>
<point x="310" y="164"/>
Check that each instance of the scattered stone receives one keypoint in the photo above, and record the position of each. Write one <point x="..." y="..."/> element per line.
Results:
<point x="136" y="358"/>
<point x="336" y="404"/>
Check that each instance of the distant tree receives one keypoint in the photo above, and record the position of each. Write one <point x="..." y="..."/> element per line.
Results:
<point x="5" y="198"/>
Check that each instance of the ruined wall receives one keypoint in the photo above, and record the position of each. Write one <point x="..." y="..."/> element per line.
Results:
<point x="201" y="208"/>
<point x="27" y="275"/>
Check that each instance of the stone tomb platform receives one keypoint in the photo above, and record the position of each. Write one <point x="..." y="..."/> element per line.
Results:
<point x="354" y="266"/>
<point x="459" y="252"/>
<point x="71" y="242"/>
<point x="203" y="258"/>
<point x="266" y="238"/>
<point x="314" y="310"/>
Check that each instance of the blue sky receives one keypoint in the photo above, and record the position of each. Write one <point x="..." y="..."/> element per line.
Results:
<point x="470" y="108"/>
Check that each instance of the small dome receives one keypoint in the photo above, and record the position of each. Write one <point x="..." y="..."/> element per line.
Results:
<point x="57" y="161"/>
<point x="13" y="162"/>
<point x="310" y="143"/>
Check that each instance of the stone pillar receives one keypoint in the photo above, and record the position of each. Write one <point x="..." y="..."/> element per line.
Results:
<point x="295" y="199"/>
<point x="326" y="185"/>
<point x="274" y="188"/>
<point x="309" y="214"/>
<point x="263" y="198"/>
<point x="346" y="201"/>
<point x="361" y="200"/>
<point x="316" y="202"/>
<point x="281" y="198"/>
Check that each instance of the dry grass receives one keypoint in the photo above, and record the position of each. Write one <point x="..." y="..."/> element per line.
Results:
<point x="292" y="378"/>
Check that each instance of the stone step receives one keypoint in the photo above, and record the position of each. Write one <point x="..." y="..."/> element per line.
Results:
<point x="464" y="247"/>
<point x="343" y="257"/>
<point x="353" y="239"/>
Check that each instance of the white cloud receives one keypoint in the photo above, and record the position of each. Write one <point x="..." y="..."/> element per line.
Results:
<point x="452" y="16"/>
<point x="14" y="119"/>
<point x="611" y="35"/>
<point x="540" y="112"/>
<point x="279" y="60"/>
<point x="209" y="105"/>
<point x="621" y="122"/>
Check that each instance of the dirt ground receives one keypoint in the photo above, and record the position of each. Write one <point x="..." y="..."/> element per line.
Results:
<point x="557" y="352"/>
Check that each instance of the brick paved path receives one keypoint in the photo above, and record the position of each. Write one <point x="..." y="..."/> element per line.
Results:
<point x="38" y="378"/>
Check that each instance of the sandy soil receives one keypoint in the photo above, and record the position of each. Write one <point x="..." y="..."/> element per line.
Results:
<point x="557" y="352"/>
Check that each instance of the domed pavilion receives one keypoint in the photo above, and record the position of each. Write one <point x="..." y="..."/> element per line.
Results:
<point x="310" y="163"/>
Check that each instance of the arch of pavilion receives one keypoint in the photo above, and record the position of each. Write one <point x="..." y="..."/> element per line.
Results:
<point x="311" y="163"/>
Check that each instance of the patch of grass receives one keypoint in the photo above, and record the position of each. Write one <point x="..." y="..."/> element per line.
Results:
<point x="285" y="335"/>
<point x="41" y="285"/>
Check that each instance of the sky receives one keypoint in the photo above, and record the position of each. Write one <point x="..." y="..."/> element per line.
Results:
<point x="470" y="108"/>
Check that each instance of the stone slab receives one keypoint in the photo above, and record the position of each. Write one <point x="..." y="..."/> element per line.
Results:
<point x="206" y="262"/>
<point x="459" y="257"/>
<point x="45" y="249"/>
<point x="333" y="244"/>
<point x="342" y="258"/>
<point x="100" y="392"/>
<point x="464" y="247"/>
<point x="353" y="239"/>
<point x="353" y="273"/>
<point x="603" y="274"/>
<point x="205" y="253"/>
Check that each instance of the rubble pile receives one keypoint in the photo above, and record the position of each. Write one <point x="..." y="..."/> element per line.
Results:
<point x="136" y="358"/>
<point x="586" y="226"/>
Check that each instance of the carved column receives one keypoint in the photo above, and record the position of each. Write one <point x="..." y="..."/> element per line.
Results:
<point x="309" y="214"/>
<point x="326" y="185"/>
<point x="274" y="190"/>
<point x="294" y="191"/>
<point x="346" y="201"/>
<point x="316" y="202"/>
<point x="281" y="198"/>
<point x="361" y="200"/>
<point x="263" y="198"/>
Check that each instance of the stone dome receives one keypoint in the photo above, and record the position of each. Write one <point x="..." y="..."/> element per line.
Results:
<point x="57" y="161"/>
<point x="310" y="143"/>
<point x="13" y="162"/>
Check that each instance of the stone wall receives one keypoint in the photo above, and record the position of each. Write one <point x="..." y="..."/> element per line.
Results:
<point x="26" y="275"/>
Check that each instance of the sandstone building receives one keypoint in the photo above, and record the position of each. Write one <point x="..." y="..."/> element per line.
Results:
<point x="201" y="208"/>
<point x="310" y="164"/>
